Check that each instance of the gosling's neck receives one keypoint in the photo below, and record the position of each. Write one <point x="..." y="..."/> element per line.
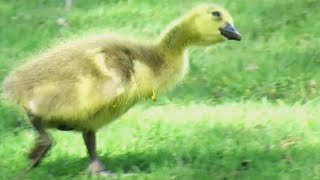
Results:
<point x="171" y="46"/>
<point x="176" y="39"/>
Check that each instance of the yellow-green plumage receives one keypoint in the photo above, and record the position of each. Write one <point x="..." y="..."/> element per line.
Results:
<point x="74" y="83"/>
<point x="86" y="83"/>
<point x="89" y="82"/>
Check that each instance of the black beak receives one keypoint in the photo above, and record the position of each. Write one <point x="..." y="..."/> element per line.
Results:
<point x="230" y="32"/>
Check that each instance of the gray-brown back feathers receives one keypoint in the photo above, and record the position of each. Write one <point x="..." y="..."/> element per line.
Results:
<point x="66" y="62"/>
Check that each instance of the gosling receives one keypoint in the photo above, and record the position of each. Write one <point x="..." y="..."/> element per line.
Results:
<point x="82" y="85"/>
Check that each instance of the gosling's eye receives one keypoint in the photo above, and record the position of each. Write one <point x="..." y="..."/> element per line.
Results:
<point x="216" y="14"/>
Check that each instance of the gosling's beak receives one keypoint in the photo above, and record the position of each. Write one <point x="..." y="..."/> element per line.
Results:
<point x="230" y="32"/>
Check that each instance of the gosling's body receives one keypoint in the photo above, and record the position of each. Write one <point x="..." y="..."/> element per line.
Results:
<point x="84" y="84"/>
<point x="90" y="82"/>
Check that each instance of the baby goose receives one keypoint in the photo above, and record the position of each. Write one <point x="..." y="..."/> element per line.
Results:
<point x="85" y="84"/>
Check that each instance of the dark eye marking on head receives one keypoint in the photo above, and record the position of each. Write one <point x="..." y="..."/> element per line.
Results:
<point x="216" y="14"/>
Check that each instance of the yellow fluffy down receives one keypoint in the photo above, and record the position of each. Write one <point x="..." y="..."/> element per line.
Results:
<point x="89" y="82"/>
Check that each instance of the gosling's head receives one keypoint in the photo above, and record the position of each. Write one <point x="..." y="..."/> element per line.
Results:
<point x="212" y="24"/>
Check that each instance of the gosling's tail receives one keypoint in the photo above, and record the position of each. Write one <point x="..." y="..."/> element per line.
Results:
<point x="9" y="91"/>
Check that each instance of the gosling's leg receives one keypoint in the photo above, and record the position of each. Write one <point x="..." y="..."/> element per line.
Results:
<point x="95" y="166"/>
<point x="43" y="142"/>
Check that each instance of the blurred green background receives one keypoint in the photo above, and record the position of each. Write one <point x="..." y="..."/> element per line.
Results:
<point x="277" y="59"/>
<point x="277" y="62"/>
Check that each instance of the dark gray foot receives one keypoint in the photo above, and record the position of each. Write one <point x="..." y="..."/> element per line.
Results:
<point x="97" y="168"/>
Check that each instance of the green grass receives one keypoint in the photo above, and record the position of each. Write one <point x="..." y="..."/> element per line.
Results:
<point x="213" y="133"/>
<point x="233" y="141"/>
<point x="276" y="59"/>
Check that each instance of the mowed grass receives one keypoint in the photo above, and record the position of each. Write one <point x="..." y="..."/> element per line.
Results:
<point x="233" y="141"/>
<point x="206" y="136"/>
<point x="277" y="58"/>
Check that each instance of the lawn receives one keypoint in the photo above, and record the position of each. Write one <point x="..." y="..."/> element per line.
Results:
<point x="247" y="110"/>
<point x="233" y="141"/>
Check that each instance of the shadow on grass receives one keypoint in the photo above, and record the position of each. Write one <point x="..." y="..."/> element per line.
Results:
<point x="215" y="162"/>
<point x="125" y="163"/>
